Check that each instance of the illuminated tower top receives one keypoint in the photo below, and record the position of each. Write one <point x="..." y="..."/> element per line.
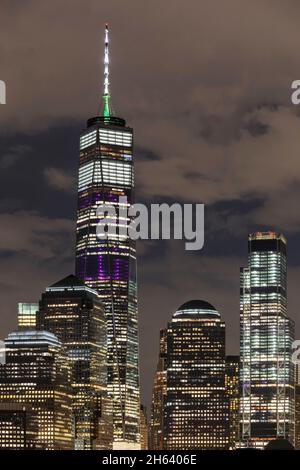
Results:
<point x="107" y="112"/>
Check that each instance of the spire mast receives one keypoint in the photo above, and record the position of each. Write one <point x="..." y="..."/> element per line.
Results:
<point x="106" y="94"/>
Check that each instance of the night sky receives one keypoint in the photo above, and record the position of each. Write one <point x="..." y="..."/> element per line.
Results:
<point x="206" y="86"/>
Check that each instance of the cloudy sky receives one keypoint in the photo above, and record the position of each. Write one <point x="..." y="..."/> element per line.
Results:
<point x="206" y="85"/>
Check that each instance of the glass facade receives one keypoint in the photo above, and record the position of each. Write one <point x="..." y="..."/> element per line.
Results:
<point x="74" y="313"/>
<point x="196" y="404"/>
<point x="109" y="266"/>
<point x="27" y="315"/>
<point x="35" y="393"/>
<point x="267" y="333"/>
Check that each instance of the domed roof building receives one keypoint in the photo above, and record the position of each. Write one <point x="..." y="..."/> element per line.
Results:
<point x="197" y="307"/>
<point x="196" y="406"/>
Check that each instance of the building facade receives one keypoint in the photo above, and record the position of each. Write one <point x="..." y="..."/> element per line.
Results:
<point x="144" y="428"/>
<point x="297" y="402"/>
<point x="13" y="426"/>
<point x="74" y="313"/>
<point x="196" y="405"/>
<point x="156" y="439"/>
<point x="35" y="393"/>
<point x="27" y="315"/>
<point x="232" y="385"/>
<point x="267" y="333"/>
<point x="108" y="265"/>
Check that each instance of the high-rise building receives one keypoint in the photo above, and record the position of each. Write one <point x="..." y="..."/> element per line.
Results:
<point x="232" y="371"/>
<point x="144" y="428"/>
<point x="267" y="371"/>
<point x="158" y="396"/>
<point x="106" y="177"/>
<point x="196" y="404"/>
<point x="73" y="312"/>
<point x="13" y="426"/>
<point x="27" y="315"/>
<point x="35" y="393"/>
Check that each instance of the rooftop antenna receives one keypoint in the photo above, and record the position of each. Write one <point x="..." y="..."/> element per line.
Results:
<point x="107" y="111"/>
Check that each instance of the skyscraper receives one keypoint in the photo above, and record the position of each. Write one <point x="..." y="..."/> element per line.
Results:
<point x="267" y="371"/>
<point x="109" y="266"/>
<point x="232" y="371"/>
<point x="196" y="405"/>
<point x="158" y="395"/>
<point x="74" y="313"/>
<point x="35" y="393"/>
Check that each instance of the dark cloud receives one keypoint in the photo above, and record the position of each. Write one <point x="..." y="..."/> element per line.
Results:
<point x="13" y="155"/>
<point x="59" y="179"/>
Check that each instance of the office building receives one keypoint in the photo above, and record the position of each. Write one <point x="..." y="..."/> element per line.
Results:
<point x="232" y="370"/>
<point x="35" y="393"/>
<point x="73" y="312"/>
<point x="267" y="333"/>
<point x="144" y="428"/>
<point x="196" y="404"/>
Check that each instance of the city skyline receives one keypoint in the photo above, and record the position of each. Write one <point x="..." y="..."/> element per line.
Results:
<point x="178" y="108"/>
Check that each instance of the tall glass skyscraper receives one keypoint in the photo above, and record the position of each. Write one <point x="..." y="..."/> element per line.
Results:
<point x="267" y="333"/>
<point x="109" y="266"/>
<point x="196" y="403"/>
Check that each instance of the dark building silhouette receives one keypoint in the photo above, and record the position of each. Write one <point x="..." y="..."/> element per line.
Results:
<point x="279" y="444"/>
<point x="158" y="396"/>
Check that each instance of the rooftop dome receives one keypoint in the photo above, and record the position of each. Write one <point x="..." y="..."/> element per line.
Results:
<point x="197" y="307"/>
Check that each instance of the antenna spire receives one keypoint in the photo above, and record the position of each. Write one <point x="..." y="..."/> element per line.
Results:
<point x="106" y="95"/>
